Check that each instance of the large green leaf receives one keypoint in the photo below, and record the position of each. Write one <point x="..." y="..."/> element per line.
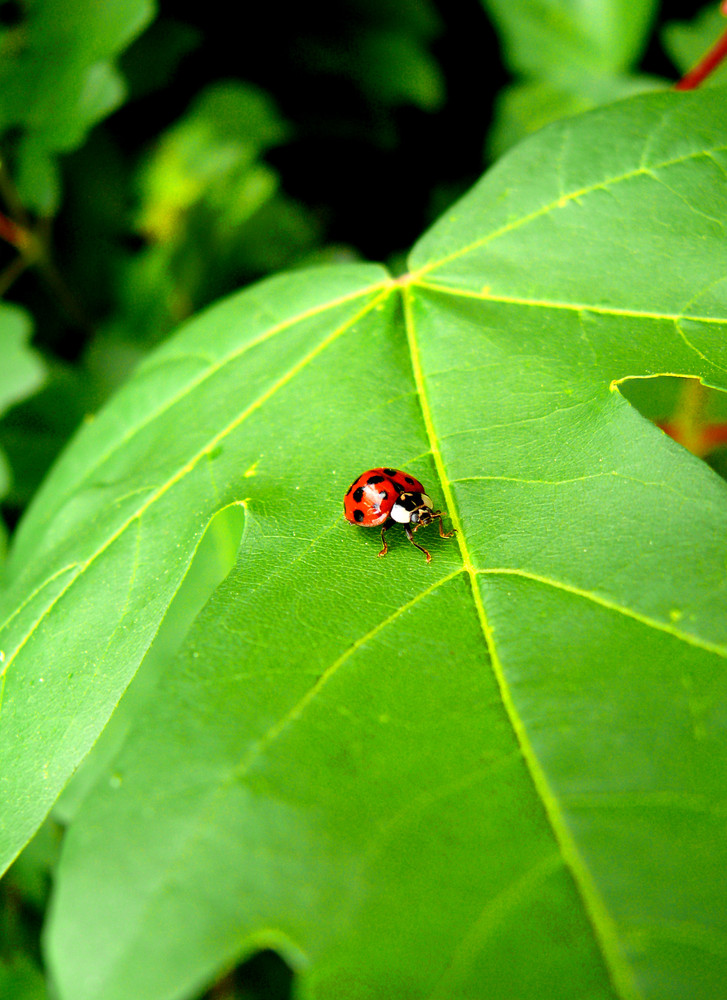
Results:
<point x="104" y="549"/>
<point x="481" y="777"/>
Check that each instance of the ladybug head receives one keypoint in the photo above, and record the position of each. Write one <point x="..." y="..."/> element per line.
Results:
<point x="413" y="508"/>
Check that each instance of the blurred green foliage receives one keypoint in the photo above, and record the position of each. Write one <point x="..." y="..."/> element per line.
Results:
<point x="21" y="373"/>
<point x="567" y="56"/>
<point x="57" y="79"/>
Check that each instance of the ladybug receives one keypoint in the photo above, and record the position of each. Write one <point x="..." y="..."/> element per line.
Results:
<point x="386" y="497"/>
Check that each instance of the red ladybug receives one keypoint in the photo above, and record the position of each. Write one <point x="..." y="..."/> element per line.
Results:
<point x="389" y="496"/>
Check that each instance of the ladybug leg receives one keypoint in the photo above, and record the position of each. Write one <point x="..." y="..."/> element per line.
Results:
<point x="442" y="532"/>
<point x="410" y="536"/>
<point x="383" y="542"/>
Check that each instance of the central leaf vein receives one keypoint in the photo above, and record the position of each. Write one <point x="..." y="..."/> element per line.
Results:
<point x="603" y="925"/>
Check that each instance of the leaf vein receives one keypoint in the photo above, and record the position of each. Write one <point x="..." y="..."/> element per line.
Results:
<point x="177" y="864"/>
<point x="428" y="798"/>
<point x="495" y="911"/>
<point x="581" y="307"/>
<point x="605" y="602"/>
<point x="607" y="474"/>
<point x="215" y="367"/>
<point x="297" y="710"/>
<point x="604" y="184"/>
<point x="195" y="459"/>
<point x="603" y="925"/>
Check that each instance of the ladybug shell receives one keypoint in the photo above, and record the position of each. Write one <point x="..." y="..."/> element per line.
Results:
<point x="370" y="497"/>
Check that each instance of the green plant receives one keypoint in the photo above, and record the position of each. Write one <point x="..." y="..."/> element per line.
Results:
<point x="500" y="774"/>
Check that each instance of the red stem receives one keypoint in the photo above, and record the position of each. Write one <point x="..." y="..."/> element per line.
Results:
<point x="714" y="435"/>
<point x="12" y="232"/>
<point x="710" y="62"/>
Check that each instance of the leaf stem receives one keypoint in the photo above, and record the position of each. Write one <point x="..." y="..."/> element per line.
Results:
<point x="706" y="65"/>
<point x="33" y="242"/>
<point x="11" y="274"/>
<point x="12" y="233"/>
<point x="11" y="198"/>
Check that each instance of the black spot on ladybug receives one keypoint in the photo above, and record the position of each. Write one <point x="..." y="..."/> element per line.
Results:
<point x="372" y="480"/>
<point x="390" y="472"/>
<point x="358" y="515"/>
<point x="409" y="479"/>
<point x="358" y="497"/>
<point x="396" y="486"/>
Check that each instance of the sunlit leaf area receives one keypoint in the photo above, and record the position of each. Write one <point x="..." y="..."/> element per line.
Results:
<point x="363" y="548"/>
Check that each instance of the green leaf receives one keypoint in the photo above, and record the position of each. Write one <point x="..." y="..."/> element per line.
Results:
<point x="388" y="57"/>
<point x="57" y="79"/>
<point x="205" y="191"/>
<point x="121" y="488"/>
<point x="216" y="143"/>
<point x="23" y="896"/>
<point x="555" y="37"/>
<point x="29" y="878"/>
<point x="213" y="560"/>
<point x="478" y="777"/>
<point x="21" y="979"/>
<point x="394" y="69"/>
<point x="151" y="62"/>
<point x="34" y="432"/>
<point x="573" y="55"/>
<point x="22" y="370"/>
<point x="21" y="373"/>
<point x="524" y="107"/>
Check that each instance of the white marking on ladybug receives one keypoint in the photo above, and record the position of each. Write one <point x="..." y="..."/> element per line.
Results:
<point x="400" y="514"/>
